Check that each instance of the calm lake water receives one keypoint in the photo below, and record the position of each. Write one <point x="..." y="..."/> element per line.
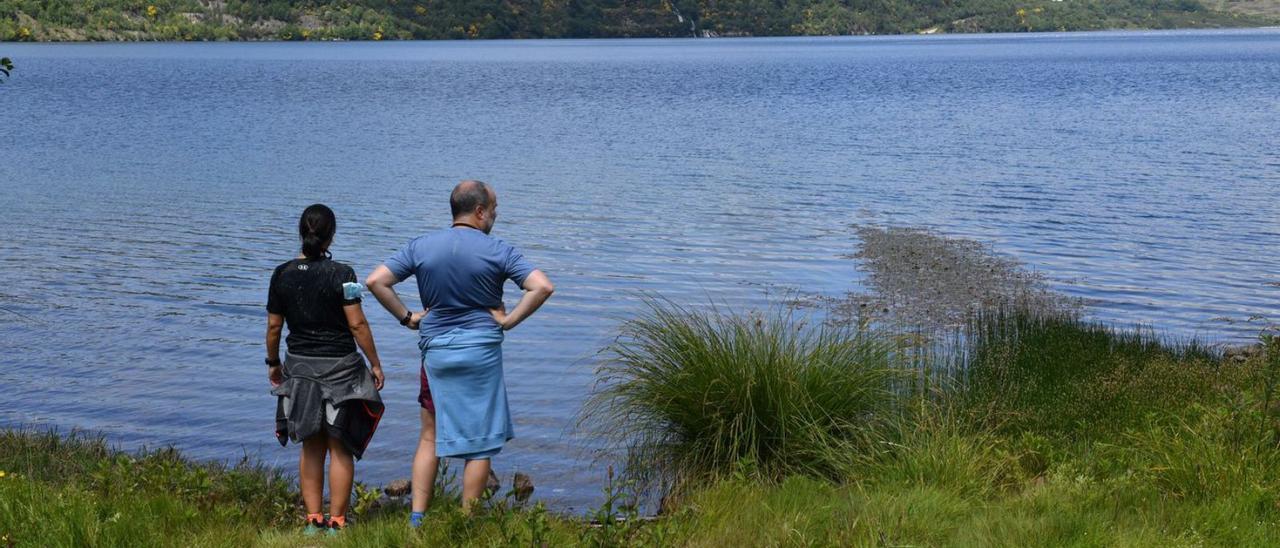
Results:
<point x="149" y="189"/>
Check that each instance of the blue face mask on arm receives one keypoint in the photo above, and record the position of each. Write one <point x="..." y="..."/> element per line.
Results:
<point x="352" y="290"/>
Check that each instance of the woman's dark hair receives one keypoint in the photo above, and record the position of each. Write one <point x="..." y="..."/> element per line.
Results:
<point x="316" y="228"/>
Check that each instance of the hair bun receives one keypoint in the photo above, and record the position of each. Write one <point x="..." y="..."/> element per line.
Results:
<point x="316" y="228"/>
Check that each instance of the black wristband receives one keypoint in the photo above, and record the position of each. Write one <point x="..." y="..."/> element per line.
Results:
<point x="408" y="315"/>
<point x="273" y="362"/>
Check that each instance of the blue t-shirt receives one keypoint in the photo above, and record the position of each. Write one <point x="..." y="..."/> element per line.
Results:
<point x="460" y="274"/>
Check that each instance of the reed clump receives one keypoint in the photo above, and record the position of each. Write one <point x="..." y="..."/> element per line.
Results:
<point x="689" y="396"/>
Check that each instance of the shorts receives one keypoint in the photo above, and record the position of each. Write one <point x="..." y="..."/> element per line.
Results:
<point x="424" y="392"/>
<point x="479" y="455"/>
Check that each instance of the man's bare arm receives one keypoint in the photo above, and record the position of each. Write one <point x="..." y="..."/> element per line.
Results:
<point x="537" y="289"/>
<point x="380" y="283"/>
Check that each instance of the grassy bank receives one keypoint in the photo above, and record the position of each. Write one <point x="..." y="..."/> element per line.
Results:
<point x="766" y="431"/>
<point x="75" y="491"/>
<point x="1031" y="429"/>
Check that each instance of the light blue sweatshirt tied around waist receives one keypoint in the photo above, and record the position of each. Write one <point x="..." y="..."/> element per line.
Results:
<point x="464" y="369"/>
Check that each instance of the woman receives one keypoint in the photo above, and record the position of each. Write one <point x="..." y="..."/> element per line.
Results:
<point x="327" y="400"/>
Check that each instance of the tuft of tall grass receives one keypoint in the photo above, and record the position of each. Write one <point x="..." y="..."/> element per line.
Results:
<point x="690" y="395"/>
<point x="1056" y="374"/>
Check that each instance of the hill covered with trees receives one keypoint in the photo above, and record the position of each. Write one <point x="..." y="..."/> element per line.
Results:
<point x="65" y="20"/>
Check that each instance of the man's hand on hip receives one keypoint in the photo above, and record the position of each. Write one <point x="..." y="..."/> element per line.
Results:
<point x="500" y="315"/>
<point x="416" y="319"/>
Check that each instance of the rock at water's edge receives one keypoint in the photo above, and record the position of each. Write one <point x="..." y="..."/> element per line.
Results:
<point x="1241" y="354"/>
<point x="523" y="486"/>
<point x="398" y="488"/>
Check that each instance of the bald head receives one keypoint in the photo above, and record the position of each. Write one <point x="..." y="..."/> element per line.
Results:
<point x="468" y="196"/>
<point x="474" y="204"/>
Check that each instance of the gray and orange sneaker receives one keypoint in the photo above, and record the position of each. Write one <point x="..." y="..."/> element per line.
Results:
<point x="337" y="524"/>
<point x="315" y="525"/>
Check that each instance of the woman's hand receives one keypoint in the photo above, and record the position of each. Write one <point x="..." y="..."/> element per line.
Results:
<point x="378" y="378"/>
<point x="275" y="375"/>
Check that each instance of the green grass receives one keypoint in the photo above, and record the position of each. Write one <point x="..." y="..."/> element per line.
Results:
<point x="694" y="395"/>
<point x="1192" y="460"/>
<point x="1055" y="374"/>
<point x="1063" y="509"/>
<point x="75" y="491"/>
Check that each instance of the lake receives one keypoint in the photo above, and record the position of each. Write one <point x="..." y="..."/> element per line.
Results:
<point x="150" y="189"/>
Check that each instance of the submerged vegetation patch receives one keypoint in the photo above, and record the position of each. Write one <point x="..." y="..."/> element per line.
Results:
<point x="919" y="278"/>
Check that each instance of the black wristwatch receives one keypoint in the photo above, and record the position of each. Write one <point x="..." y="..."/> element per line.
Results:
<point x="408" y="315"/>
<point x="273" y="362"/>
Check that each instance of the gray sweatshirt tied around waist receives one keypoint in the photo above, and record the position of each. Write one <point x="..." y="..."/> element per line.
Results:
<point x="335" y="394"/>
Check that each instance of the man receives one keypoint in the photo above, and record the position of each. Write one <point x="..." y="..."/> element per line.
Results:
<point x="460" y="272"/>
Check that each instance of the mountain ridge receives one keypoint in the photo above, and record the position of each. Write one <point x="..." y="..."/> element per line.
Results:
<point x="142" y="20"/>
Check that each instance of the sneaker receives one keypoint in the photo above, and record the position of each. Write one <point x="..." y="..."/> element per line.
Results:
<point x="315" y="527"/>
<point x="336" y="526"/>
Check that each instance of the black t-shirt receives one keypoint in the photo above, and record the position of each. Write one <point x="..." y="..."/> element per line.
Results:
<point x="308" y="293"/>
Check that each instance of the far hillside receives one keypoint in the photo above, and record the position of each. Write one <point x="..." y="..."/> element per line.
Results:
<point x="136" y="20"/>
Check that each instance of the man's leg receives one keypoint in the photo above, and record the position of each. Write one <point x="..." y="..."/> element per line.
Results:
<point x="311" y="473"/>
<point x="474" y="478"/>
<point x="425" y="463"/>
<point x="342" y="470"/>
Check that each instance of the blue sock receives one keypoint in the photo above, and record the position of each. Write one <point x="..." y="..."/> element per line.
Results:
<point x="415" y="519"/>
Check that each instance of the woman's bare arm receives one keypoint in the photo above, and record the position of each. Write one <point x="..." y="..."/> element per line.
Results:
<point x="364" y="337"/>
<point x="275" y="324"/>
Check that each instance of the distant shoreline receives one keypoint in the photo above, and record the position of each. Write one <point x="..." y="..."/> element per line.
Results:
<point x="367" y="20"/>
<point x="920" y="35"/>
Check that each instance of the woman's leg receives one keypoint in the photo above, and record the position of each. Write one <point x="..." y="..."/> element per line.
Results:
<point x="425" y="463"/>
<point x="311" y="473"/>
<point x="342" y="470"/>
<point x="474" y="478"/>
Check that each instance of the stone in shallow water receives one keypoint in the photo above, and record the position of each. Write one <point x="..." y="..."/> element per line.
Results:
<point x="1241" y="354"/>
<point x="397" y="488"/>
<point x="523" y="486"/>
